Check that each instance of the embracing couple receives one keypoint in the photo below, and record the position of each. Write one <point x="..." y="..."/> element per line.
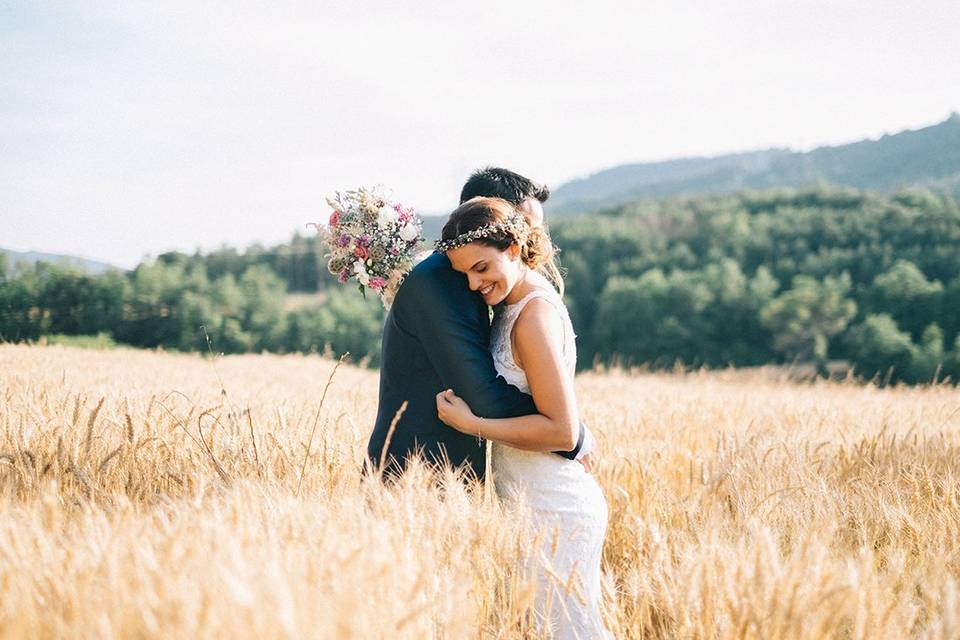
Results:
<point x="466" y="379"/>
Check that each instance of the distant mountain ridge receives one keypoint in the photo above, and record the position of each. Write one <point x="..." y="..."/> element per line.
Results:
<point x="94" y="267"/>
<point x="929" y="156"/>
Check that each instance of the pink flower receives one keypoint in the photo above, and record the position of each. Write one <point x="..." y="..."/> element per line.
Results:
<point x="344" y="276"/>
<point x="334" y="217"/>
<point x="377" y="284"/>
<point x="361" y="252"/>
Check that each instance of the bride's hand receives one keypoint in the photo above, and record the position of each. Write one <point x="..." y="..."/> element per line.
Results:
<point x="454" y="412"/>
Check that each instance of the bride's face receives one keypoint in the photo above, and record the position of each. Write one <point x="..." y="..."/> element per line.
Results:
<point x="489" y="270"/>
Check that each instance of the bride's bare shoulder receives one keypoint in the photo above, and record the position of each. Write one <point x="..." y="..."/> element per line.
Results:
<point x="539" y="320"/>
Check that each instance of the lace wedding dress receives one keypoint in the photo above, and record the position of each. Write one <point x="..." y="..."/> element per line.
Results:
<point x="569" y="510"/>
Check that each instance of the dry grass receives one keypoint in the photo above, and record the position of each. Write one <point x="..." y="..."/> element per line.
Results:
<point x="139" y="501"/>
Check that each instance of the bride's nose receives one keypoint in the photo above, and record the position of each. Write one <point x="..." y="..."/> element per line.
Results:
<point x="474" y="282"/>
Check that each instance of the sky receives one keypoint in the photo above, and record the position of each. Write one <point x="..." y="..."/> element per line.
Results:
<point x="132" y="128"/>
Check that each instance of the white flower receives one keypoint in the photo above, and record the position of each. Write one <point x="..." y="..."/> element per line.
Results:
<point x="360" y="270"/>
<point x="387" y="216"/>
<point x="409" y="232"/>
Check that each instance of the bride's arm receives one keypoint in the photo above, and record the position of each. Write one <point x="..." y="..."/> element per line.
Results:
<point x="538" y="339"/>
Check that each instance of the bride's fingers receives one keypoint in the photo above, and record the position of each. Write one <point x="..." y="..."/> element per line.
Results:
<point x="443" y="398"/>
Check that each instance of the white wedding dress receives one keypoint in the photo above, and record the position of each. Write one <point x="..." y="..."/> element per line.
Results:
<point x="569" y="510"/>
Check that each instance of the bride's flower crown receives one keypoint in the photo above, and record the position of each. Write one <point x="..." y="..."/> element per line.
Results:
<point x="515" y="225"/>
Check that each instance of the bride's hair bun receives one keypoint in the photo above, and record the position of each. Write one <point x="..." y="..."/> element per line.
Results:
<point x="537" y="249"/>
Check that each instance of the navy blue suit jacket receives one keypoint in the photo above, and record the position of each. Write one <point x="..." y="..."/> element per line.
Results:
<point x="436" y="337"/>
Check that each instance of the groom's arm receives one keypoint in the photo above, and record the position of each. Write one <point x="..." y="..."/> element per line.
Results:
<point x="453" y="327"/>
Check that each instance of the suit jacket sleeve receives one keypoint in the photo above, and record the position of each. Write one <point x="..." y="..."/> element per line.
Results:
<point x="453" y="326"/>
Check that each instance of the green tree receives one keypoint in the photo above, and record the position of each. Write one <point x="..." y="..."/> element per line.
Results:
<point x="345" y="322"/>
<point x="879" y="348"/>
<point x="21" y="318"/>
<point x="732" y="330"/>
<point x="654" y="319"/>
<point x="262" y="312"/>
<point x="906" y="294"/>
<point x="950" y="310"/>
<point x="951" y="365"/>
<point x="927" y="358"/>
<point x="805" y="318"/>
<point x="227" y="303"/>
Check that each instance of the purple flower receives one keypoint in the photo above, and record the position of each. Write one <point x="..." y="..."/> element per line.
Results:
<point x="364" y="240"/>
<point x="343" y="240"/>
<point x="344" y="276"/>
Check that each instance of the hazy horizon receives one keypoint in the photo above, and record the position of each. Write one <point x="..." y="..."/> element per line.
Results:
<point x="132" y="130"/>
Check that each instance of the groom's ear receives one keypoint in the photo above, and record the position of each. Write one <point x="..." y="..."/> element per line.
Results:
<point x="532" y="212"/>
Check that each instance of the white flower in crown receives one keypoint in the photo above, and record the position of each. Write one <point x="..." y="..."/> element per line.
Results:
<point x="387" y="217"/>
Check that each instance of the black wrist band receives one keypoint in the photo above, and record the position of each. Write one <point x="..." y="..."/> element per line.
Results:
<point x="572" y="455"/>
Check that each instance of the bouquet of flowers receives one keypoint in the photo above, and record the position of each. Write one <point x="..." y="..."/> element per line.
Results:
<point x="372" y="240"/>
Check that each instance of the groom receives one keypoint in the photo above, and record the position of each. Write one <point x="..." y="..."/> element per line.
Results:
<point x="436" y="337"/>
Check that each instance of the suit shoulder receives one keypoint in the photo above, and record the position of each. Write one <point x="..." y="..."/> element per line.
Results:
<point x="422" y="280"/>
<point x="433" y="271"/>
<point x="434" y="263"/>
<point x="433" y="281"/>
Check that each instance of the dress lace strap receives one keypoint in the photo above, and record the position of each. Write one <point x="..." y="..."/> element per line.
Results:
<point x="517" y="306"/>
<point x="513" y="310"/>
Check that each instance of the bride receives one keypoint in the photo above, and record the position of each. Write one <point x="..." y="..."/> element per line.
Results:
<point x="533" y="349"/>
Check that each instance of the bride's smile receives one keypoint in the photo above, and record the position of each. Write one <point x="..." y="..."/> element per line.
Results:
<point x="491" y="272"/>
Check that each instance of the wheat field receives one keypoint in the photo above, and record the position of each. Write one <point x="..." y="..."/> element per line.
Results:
<point x="164" y="495"/>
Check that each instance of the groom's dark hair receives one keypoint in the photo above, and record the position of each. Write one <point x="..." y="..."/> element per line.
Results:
<point x="494" y="182"/>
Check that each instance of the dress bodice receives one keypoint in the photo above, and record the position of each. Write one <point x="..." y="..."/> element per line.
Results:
<point x="532" y="471"/>
<point x="501" y="344"/>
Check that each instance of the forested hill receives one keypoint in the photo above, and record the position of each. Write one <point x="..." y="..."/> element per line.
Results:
<point x="775" y="276"/>
<point x="929" y="157"/>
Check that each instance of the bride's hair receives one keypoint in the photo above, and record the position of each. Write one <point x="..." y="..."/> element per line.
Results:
<point x="536" y="249"/>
